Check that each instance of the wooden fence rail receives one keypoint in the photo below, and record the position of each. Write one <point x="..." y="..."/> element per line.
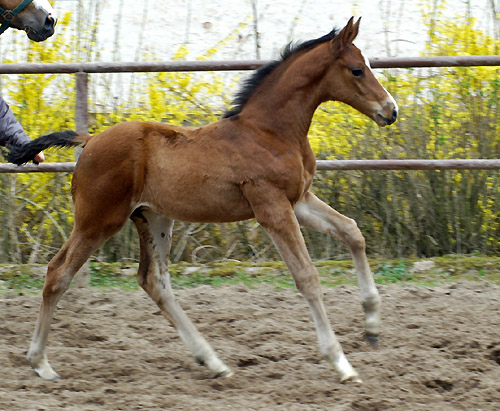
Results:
<point x="173" y="66"/>
<point x="81" y="116"/>
<point x="326" y="165"/>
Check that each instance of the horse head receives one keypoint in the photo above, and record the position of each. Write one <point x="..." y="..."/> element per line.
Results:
<point x="36" y="17"/>
<point x="353" y="82"/>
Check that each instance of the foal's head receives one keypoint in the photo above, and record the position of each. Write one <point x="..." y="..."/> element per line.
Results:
<point x="350" y="79"/>
<point x="329" y="68"/>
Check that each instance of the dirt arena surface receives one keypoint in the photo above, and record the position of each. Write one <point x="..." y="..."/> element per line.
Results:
<point x="440" y="350"/>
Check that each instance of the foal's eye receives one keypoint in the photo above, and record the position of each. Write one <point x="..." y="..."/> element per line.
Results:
<point x="357" y="72"/>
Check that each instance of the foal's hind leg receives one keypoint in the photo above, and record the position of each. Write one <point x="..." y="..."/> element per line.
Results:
<point x="315" y="214"/>
<point x="155" y="232"/>
<point x="60" y="272"/>
<point x="96" y="219"/>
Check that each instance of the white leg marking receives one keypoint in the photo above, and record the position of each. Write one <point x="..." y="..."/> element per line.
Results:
<point x="60" y="272"/>
<point x="372" y="322"/>
<point x="40" y="363"/>
<point x="329" y="345"/>
<point x="316" y="215"/>
<point x="291" y="246"/>
<point x="37" y="356"/>
<point x="156" y="234"/>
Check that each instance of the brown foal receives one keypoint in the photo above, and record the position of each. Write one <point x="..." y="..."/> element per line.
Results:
<point x="254" y="163"/>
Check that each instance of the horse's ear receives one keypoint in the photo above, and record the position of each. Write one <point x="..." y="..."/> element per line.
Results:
<point x="355" y="29"/>
<point x="347" y="32"/>
<point x="345" y="36"/>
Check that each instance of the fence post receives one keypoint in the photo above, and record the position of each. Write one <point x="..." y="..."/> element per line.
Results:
<point x="82" y="277"/>
<point x="81" y="109"/>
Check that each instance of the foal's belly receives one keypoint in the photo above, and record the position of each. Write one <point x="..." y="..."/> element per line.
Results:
<point x="196" y="202"/>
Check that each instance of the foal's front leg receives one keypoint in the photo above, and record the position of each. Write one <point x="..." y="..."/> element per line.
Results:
<point x="318" y="216"/>
<point x="155" y="232"/>
<point x="276" y="215"/>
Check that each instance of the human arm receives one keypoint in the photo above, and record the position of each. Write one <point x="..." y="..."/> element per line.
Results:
<point x="11" y="130"/>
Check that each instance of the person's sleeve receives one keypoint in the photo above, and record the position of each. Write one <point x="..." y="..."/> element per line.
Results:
<point x="11" y="130"/>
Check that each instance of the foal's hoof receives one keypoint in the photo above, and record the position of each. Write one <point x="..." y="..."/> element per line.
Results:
<point x="355" y="378"/>
<point x="44" y="370"/>
<point x="48" y="374"/>
<point x="224" y="374"/>
<point x="372" y="339"/>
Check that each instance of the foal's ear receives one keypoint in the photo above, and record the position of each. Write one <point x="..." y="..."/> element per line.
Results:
<point x="355" y="29"/>
<point x="345" y="36"/>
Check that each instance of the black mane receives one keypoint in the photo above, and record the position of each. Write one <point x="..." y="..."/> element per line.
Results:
<point x="250" y="84"/>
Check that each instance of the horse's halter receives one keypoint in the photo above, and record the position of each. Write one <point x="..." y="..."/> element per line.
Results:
<point x="9" y="15"/>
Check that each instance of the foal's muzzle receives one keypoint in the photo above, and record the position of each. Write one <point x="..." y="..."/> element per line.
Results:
<point x="388" y="121"/>
<point x="44" y="32"/>
<point x="387" y="115"/>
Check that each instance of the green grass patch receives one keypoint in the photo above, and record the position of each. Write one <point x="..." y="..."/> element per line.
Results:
<point x="111" y="275"/>
<point x="23" y="281"/>
<point x="390" y="273"/>
<point x="452" y="268"/>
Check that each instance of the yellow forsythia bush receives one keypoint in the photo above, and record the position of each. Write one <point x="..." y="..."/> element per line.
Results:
<point x="444" y="113"/>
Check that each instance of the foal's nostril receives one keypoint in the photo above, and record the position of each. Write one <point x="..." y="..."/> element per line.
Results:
<point x="394" y="115"/>
<point x="50" y="21"/>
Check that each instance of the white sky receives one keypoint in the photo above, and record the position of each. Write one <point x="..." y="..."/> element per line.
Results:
<point x="389" y="27"/>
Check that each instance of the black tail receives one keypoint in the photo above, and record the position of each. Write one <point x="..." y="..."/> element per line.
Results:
<point x="28" y="151"/>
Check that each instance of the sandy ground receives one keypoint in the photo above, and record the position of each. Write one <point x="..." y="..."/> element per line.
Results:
<point x="440" y="351"/>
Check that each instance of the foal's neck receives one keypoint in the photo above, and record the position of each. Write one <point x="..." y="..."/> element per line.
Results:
<point x="285" y="102"/>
